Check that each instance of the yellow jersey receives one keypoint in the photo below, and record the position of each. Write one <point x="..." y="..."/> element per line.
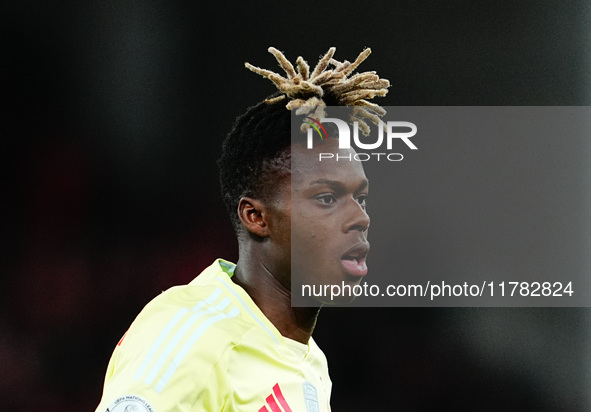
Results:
<point x="206" y="346"/>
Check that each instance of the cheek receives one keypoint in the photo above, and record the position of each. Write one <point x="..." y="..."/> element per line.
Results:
<point x="306" y="230"/>
<point x="311" y="245"/>
<point x="316" y="228"/>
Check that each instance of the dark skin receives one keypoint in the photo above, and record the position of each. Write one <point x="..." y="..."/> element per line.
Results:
<point x="255" y="273"/>
<point x="274" y="300"/>
<point x="329" y="219"/>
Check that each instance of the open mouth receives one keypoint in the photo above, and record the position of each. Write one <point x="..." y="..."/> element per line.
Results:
<point x="354" y="260"/>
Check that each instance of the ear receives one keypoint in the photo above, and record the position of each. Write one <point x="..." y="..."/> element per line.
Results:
<point x="252" y="214"/>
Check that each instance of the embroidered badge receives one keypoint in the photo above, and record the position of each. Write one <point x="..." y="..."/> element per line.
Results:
<point x="311" y="397"/>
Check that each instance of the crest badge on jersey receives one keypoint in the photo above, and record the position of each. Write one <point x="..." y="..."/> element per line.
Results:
<point x="130" y="403"/>
<point x="311" y="397"/>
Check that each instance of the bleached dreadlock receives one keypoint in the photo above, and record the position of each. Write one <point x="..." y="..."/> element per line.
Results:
<point x="256" y="153"/>
<point x="305" y="91"/>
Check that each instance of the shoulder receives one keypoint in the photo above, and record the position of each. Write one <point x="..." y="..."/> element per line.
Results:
<point x="197" y="319"/>
<point x="316" y="353"/>
<point x="318" y="360"/>
<point x="178" y="348"/>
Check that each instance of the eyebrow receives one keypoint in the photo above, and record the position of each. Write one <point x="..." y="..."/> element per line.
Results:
<point x="338" y="185"/>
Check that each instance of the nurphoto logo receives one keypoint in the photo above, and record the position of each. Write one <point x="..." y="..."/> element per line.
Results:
<point x="387" y="131"/>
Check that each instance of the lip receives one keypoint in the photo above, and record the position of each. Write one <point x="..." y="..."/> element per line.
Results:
<point x="354" y="259"/>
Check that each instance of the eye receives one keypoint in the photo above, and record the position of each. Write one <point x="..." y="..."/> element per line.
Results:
<point x="362" y="200"/>
<point x="327" y="198"/>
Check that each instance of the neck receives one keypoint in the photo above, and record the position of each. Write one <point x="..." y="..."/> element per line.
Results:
<point x="274" y="299"/>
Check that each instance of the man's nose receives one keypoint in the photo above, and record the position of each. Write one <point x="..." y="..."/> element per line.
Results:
<point x="358" y="218"/>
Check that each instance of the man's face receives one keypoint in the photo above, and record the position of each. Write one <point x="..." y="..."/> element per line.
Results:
<point x="328" y="218"/>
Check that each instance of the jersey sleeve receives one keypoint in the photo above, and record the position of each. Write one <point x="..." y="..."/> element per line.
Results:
<point x="174" y="357"/>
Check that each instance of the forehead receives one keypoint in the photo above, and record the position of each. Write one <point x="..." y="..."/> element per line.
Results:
<point x="308" y="164"/>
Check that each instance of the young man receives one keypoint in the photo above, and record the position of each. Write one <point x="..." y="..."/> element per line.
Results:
<point x="231" y="340"/>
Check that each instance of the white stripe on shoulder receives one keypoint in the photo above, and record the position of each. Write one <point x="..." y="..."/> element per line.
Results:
<point x="169" y="327"/>
<point x="181" y="312"/>
<point x="243" y="303"/>
<point x="187" y="346"/>
<point x="180" y="334"/>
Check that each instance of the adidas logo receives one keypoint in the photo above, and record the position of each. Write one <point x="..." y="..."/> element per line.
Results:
<point x="275" y="402"/>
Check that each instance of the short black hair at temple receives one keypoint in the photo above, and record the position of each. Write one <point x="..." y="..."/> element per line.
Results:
<point x="256" y="153"/>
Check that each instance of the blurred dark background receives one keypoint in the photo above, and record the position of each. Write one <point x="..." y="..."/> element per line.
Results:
<point x="113" y="117"/>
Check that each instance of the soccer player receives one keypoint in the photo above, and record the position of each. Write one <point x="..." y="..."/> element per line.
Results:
<point x="230" y="340"/>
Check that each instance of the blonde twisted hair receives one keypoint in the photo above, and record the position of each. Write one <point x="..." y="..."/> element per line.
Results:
<point x="305" y="90"/>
